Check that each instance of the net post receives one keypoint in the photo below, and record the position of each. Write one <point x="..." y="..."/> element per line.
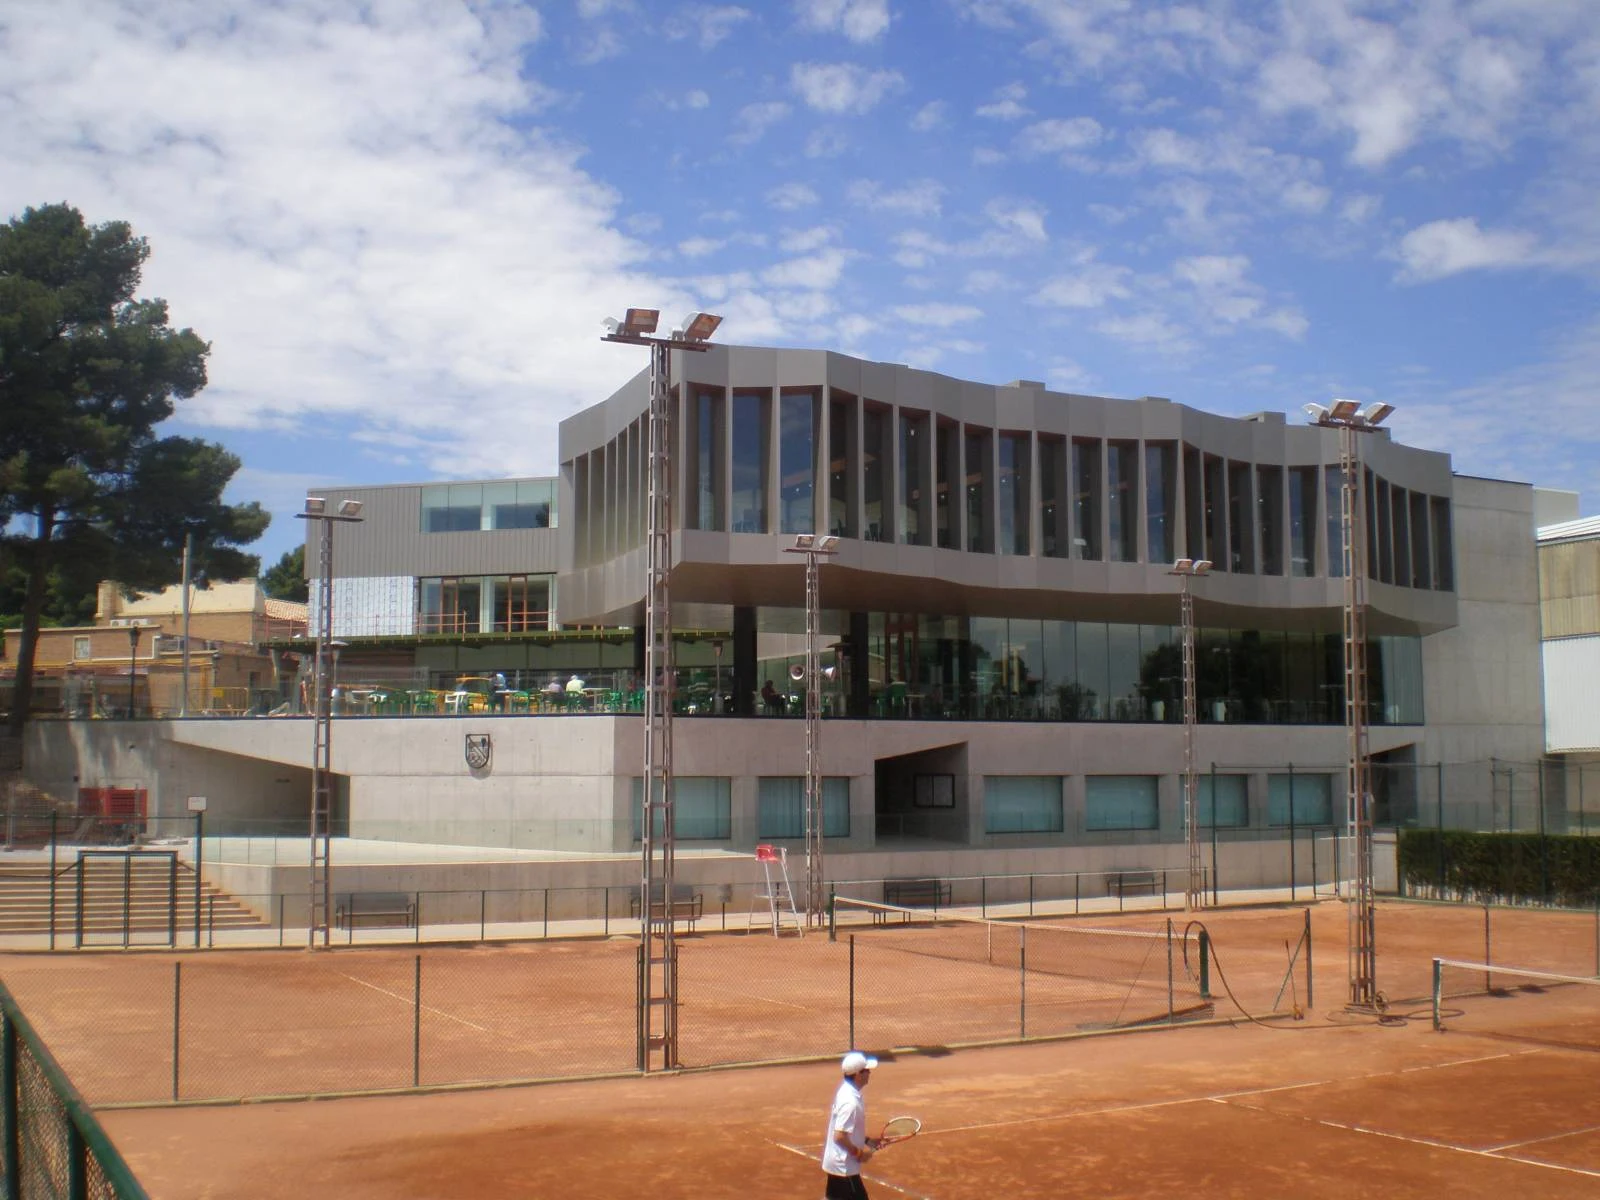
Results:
<point x="1438" y="987"/>
<point x="833" y="915"/>
<point x="1205" y="964"/>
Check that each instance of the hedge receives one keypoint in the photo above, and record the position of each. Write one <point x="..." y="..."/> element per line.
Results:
<point x="1515" y="868"/>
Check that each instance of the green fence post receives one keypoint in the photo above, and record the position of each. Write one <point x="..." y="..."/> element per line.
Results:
<point x="416" y="1024"/>
<point x="10" y="1104"/>
<point x="1438" y="986"/>
<point x="852" y="994"/>
<point x="1022" y="982"/>
<point x="1291" y="834"/>
<point x="1310" y="996"/>
<point x="1170" y="998"/>
<point x="77" y="1163"/>
<point x="177" y="1022"/>
<point x="1205" y="964"/>
<point x="53" y="880"/>
<point x="1439" y="769"/>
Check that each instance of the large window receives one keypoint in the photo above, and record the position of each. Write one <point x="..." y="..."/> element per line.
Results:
<point x="511" y="504"/>
<point x="749" y="493"/>
<point x="1300" y="799"/>
<point x="1303" y="521"/>
<point x="797" y="456"/>
<point x="1086" y="501"/>
<point x="913" y="477"/>
<point x="1015" y="452"/>
<point x="947" y="468"/>
<point x="707" y="458"/>
<point x="1216" y="511"/>
<point x="1401" y="511"/>
<point x="874" y="452"/>
<point x="1421" y="550"/>
<point x="1053" y="537"/>
<point x="781" y="807"/>
<point x="1022" y="804"/>
<point x="841" y="460"/>
<point x="1444" y="567"/>
<point x="1383" y="566"/>
<point x="1122" y="499"/>
<point x="702" y="809"/>
<point x="977" y="448"/>
<point x="1121" y="802"/>
<point x="452" y="508"/>
<point x="456" y="604"/>
<point x="1223" y="801"/>
<point x="1241" y="529"/>
<point x="1269" y="518"/>
<point x="521" y="603"/>
<point x="1161" y="500"/>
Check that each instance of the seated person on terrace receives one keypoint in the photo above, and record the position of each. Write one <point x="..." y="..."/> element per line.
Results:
<point x="575" y="686"/>
<point x="770" y="697"/>
<point x="553" y="688"/>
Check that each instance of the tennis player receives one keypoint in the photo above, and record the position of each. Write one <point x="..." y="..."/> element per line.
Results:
<point x="846" y="1147"/>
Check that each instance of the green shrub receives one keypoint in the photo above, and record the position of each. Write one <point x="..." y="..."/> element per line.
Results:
<point x="1514" y="868"/>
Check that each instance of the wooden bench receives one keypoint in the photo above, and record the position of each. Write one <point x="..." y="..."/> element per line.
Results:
<point x="917" y="893"/>
<point x="375" y="908"/>
<point x="1120" y="883"/>
<point x="687" y="904"/>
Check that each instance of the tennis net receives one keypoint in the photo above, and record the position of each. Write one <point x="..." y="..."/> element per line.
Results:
<point x="1129" y="975"/>
<point x="1516" y="1002"/>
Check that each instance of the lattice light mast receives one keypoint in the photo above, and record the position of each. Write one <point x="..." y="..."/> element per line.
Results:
<point x="1350" y="419"/>
<point x="814" y="547"/>
<point x="1194" y="896"/>
<point x="658" y="948"/>
<point x="320" y="884"/>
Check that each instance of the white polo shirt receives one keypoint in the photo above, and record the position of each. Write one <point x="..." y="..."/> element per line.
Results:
<point x="849" y="1114"/>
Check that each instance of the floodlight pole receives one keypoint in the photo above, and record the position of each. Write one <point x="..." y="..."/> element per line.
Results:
<point x="319" y="883"/>
<point x="1194" y="897"/>
<point x="1362" y="948"/>
<point x="658" y="947"/>
<point x="814" y="548"/>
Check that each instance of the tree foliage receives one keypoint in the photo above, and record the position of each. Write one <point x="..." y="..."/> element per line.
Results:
<point x="286" y="579"/>
<point x="88" y="371"/>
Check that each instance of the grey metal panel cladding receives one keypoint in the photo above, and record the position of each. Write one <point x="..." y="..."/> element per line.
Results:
<point x="389" y="541"/>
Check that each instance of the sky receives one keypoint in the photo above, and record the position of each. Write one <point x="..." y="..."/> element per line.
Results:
<point x="399" y="223"/>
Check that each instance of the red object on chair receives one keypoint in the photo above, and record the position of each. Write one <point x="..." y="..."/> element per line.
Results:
<point x="765" y="853"/>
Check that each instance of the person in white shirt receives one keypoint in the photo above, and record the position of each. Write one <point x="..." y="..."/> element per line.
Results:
<point x="847" y="1146"/>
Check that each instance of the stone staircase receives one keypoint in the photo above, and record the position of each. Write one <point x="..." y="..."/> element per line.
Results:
<point x="140" y="900"/>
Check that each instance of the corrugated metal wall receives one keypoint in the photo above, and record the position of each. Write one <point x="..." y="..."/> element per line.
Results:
<point x="1572" y="694"/>
<point x="1569" y="588"/>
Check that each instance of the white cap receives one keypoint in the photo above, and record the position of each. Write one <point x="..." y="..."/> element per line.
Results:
<point x="857" y="1061"/>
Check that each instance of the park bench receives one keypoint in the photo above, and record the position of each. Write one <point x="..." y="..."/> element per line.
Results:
<point x="1120" y="883"/>
<point x="687" y="904"/>
<point x="375" y="908"/>
<point x="916" y="893"/>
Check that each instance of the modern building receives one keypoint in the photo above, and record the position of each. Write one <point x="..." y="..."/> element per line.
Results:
<point x="1569" y="593"/>
<point x="1000" y="610"/>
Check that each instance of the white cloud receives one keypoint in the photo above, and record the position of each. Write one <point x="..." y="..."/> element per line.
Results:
<point x="1442" y="248"/>
<point x="1225" y="295"/>
<point x="1148" y="331"/>
<point x="1090" y="284"/>
<point x="842" y="87"/>
<point x="826" y="143"/>
<point x="790" y="196"/>
<point x="815" y="272"/>
<point x="939" y="316"/>
<point x="929" y="117"/>
<point x="1020" y="216"/>
<point x="699" y="247"/>
<point x="919" y="198"/>
<point x="1060" y="135"/>
<point x="1007" y="104"/>
<point x="709" y="25"/>
<point x="754" y="120"/>
<point x="803" y="241"/>
<point x="697" y="99"/>
<point x="858" y="20"/>
<point x="1361" y="208"/>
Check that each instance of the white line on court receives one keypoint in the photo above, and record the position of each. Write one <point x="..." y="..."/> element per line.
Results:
<point x="407" y="1000"/>
<point x="874" y="1180"/>
<point x="1547" y="1138"/>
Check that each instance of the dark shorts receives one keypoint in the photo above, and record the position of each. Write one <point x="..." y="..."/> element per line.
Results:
<point x="845" y="1187"/>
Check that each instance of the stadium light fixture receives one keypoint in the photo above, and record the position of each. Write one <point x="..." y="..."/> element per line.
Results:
<point x="699" y="326"/>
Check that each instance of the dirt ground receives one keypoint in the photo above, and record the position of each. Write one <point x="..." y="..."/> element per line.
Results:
<point x="1499" y="1105"/>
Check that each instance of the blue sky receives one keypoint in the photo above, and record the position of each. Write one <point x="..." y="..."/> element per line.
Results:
<point x="400" y="223"/>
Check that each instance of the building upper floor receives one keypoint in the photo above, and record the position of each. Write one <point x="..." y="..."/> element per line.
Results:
<point x="949" y="495"/>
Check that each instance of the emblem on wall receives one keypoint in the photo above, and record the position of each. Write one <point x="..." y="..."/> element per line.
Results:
<point x="479" y="750"/>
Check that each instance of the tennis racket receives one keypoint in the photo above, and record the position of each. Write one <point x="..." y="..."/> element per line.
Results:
<point x="897" y="1129"/>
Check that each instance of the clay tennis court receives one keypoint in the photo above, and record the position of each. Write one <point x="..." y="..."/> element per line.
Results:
<point x="1501" y="1104"/>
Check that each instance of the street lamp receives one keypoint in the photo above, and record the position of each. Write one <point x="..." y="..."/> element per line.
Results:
<point x="133" y="658"/>
<point x="658" y="948"/>
<point x="814" y="547"/>
<point x="1194" y="896"/>
<point x="320" y="883"/>
<point x="1350" y="419"/>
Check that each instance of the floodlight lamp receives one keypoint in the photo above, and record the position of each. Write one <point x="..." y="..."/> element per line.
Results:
<point x="612" y="325"/>
<point x="1181" y="567"/>
<point x="316" y="505"/>
<point x="699" y="326"/>
<point x="1317" y="412"/>
<point x="797" y="672"/>
<point x="1203" y="567"/>
<point x="1376" y="413"/>
<point x="805" y="541"/>
<point x="640" y="321"/>
<point x="830" y="673"/>
<point x="1344" y="410"/>
<point x="827" y="543"/>
<point x="350" y="508"/>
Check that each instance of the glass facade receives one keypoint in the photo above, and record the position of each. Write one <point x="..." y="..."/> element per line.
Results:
<point x="1122" y="500"/>
<point x="509" y="504"/>
<point x="797" y="457"/>
<point x="1015" y="453"/>
<point x="1303" y="521"/>
<point x="1223" y="801"/>
<point x="1086" y="499"/>
<point x="1241" y="529"/>
<point x="874" y="450"/>
<point x="1161" y="501"/>
<point x="1121" y="802"/>
<point x="1303" y="798"/>
<point x="748" y="496"/>
<point x="781" y="807"/>
<point x="947" y="472"/>
<point x="1022" y="804"/>
<point x="702" y="809"/>
<point x="1269" y="518"/>
<point x="707" y="468"/>
<point x="1053" y="539"/>
<point x="841" y="454"/>
<point x="484" y="603"/>
<point x="913" y="477"/>
<point x="976" y="447"/>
